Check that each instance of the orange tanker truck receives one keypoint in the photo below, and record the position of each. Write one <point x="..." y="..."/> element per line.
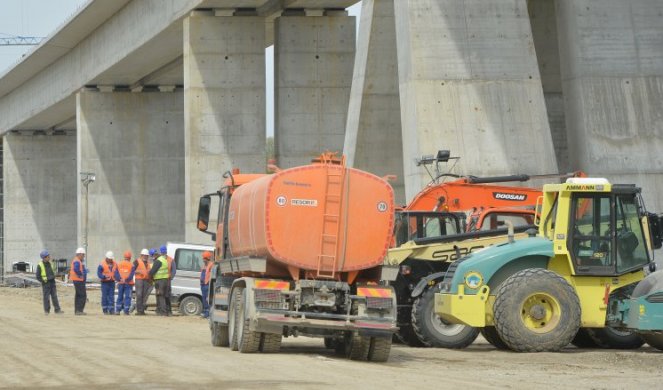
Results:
<point x="300" y="252"/>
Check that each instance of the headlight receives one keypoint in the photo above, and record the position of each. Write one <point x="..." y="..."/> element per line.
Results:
<point x="473" y="280"/>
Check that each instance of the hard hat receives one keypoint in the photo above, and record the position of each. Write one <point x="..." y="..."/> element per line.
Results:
<point x="127" y="254"/>
<point x="44" y="254"/>
<point x="145" y="252"/>
<point x="109" y="255"/>
<point x="80" y="251"/>
<point x="163" y="249"/>
<point x="207" y="255"/>
<point x="152" y="252"/>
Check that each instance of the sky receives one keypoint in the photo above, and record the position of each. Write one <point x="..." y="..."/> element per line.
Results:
<point x="40" y="18"/>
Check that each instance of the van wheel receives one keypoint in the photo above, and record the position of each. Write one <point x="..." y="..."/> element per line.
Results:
<point x="191" y="306"/>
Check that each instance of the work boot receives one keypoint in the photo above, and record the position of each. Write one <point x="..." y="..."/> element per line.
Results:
<point x="80" y="313"/>
<point x="117" y="313"/>
<point x="46" y="313"/>
<point x="59" y="312"/>
<point x="105" y="312"/>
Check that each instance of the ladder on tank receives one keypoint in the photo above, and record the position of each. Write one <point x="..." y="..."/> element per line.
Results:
<point x="331" y="222"/>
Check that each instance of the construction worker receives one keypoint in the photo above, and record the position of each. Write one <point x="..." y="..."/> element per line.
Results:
<point x="78" y="275"/>
<point x="205" y="276"/>
<point x="160" y="274"/>
<point x="106" y="274"/>
<point x="46" y="275"/>
<point x="172" y="270"/>
<point x="124" y="275"/>
<point x="142" y="268"/>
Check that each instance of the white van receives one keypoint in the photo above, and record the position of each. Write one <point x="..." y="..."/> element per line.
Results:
<point x="186" y="285"/>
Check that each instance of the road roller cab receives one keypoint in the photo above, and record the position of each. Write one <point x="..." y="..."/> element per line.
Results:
<point x="580" y="272"/>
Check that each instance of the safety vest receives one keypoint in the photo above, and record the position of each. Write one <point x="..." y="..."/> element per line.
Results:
<point x="124" y="269"/>
<point x="163" y="272"/>
<point x="72" y="274"/>
<point x="44" y="276"/>
<point x="142" y="271"/>
<point x="108" y="272"/>
<point x="208" y="272"/>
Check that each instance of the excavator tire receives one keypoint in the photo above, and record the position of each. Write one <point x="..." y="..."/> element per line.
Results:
<point x="490" y="334"/>
<point x="432" y="331"/>
<point x="611" y="338"/>
<point x="654" y="339"/>
<point x="584" y="340"/>
<point x="248" y="341"/>
<point x="270" y="343"/>
<point x="536" y="310"/>
<point x="379" y="349"/>
<point x="233" y="321"/>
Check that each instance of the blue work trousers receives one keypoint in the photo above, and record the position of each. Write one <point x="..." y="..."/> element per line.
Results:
<point x="107" y="296"/>
<point x="204" y="289"/>
<point x="123" y="302"/>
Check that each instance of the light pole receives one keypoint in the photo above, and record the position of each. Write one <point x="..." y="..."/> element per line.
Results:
<point x="86" y="179"/>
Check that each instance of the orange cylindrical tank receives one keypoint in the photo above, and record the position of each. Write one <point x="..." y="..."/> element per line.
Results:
<point x="321" y="217"/>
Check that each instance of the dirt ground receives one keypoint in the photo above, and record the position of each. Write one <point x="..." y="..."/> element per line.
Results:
<point x="128" y="352"/>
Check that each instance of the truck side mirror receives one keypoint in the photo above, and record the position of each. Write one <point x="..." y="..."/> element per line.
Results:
<point x="203" y="212"/>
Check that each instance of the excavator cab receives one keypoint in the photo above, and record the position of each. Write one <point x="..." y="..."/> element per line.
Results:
<point x="412" y="225"/>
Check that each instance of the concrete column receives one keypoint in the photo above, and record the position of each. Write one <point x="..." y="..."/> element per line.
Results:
<point x="373" y="139"/>
<point x="469" y="82"/>
<point x="134" y="143"/>
<point x="544" y="30"/>
<point x="224" y="104"/>
<point x="313" y="59"/>
<point x="612" y="74"/>
<point x="39" y="196"/>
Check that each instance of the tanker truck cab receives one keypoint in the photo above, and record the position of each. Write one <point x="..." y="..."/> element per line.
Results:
<point x="299" y="253"/>
<point x="579" y="272"/>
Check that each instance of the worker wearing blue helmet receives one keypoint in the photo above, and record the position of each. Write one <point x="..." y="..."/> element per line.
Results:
<point x="46" y="276"/>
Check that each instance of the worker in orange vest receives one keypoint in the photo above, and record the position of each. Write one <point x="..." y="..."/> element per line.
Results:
<point x="142" y="269"/>
<point x="172" y="270"/>
<point x="124" y="275"/>
<point x="78" y="275"/>
<point x="106" y="274"/>
<point x="205" y="276"/>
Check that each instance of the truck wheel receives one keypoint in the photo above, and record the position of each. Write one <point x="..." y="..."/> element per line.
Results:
<point x="219" y="334"/>
<point x="248" y="341"/>
<point x="270" y="343"/>
<point x="490" y="334"/>
<point x="615" y="339"/>
<point x="191" y="306"/>
<point x="233" y="307"/>
<point x="432" y="331"/>
<point x="583" y="339"/>
<point x="654" y="339"/>
<point x="357" y="346"/>
<point x="379" y="349"/>
<point x="536" y="310"/>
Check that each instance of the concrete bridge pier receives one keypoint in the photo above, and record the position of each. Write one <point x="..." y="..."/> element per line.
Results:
<point x="134" y="143"/>
<point x="373" y="140"/>
<point x="39" y="194"/>
<point x="224" y="103"/>
<point x="313" y="59"/>
<point x="612" y="80"/>
<point x="469" y="82"/>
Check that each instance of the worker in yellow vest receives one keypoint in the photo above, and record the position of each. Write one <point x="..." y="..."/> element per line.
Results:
<point x="46" y="276"/>
<point x="124" y="274"/>
<point x="161" y="275"/>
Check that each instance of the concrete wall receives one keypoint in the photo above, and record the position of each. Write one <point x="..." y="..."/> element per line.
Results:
<point x="469" y="82"/>
<point x="612" y="75"/>
<point x="224" y="104"/>
<point x="373" y="139"/>
<point x="134" y="143"/>
<point x="313" y="59"/>
<point x="39" y="196"/>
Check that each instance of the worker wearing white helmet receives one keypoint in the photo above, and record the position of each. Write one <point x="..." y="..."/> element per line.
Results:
<point x="143" y="286"/>
<point x="106" y="274"/>
<point x="78" y="275"/>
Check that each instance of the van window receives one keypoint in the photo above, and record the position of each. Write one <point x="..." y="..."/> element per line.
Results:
<point x="189" y="259"/>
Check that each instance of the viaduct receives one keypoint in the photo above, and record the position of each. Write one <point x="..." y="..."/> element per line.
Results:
<point x="158" y="98"/>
